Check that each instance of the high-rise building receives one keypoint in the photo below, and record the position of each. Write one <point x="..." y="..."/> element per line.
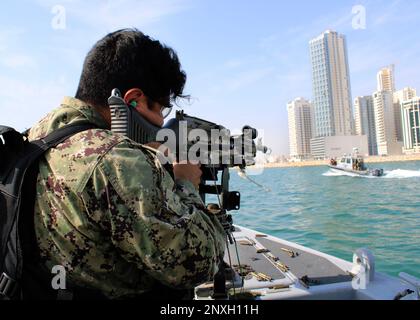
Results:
<point x="386" y="82"/>
<point x="333" y="115"/>
<point x="300" y="128"/>
<point x="386" y="79"/>
<point x="405" y="94"/>
<point x="364" y="119"/>
<point x="386" y="137"/>
<point x="399" y="97"/>
<point x="410" y="110"/>
<point x="398" y="121"/>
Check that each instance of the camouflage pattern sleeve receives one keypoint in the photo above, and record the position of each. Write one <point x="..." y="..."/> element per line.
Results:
<point x="156" y="224"/>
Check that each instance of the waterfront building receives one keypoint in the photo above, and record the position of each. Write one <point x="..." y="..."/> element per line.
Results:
<point x="399" y="97"/>
<point x="386" y="137"/>
<point x="332" y="102"/>
<point x="333" y="115"/>
<point x="410" y="110"/>
<point x="405" y="94"/>
<point x="386" y="82"/>
<point x="364" y="119"/>
<point x="300" y="128"/>
<point x="386" y="79"/>
<point x="337" y="146"/>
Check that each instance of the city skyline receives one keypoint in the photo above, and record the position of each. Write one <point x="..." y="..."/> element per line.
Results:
<point x="238" y="72"/>
<point x="384" y="117"/>
<point x="337" y="123"/>
<point x="380" y="117"/>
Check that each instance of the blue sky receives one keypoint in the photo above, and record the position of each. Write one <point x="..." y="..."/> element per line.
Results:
<point x="244" y="59"/>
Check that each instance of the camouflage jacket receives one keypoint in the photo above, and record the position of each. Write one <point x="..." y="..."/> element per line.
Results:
<point x="109" y="213"/>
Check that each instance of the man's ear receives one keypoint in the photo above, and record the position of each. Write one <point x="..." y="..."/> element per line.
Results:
<point x="133" y="95"/>
<point x="142" y="106"/>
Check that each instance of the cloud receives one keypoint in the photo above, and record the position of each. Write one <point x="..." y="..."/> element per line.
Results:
<point x="234" y="63"/>
<point x="22" y="102"/>
<point x="388" y="14"/>
<point x="11" y="54"/>
<point x="337" y="21"/>
<point x="7" y="34"/>
<point x="18" y="61"/>
<point x="111" y="15"/>
<point x="234" y="82"/>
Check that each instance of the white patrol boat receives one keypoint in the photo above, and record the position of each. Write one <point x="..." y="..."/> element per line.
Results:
<point x="355" y="164"/>
<point x="262" y="267"/>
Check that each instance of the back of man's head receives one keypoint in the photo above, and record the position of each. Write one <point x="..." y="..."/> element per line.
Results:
<point x="128" y="59"/>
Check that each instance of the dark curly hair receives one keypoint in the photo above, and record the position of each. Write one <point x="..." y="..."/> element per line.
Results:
<point x="128" y="59"/>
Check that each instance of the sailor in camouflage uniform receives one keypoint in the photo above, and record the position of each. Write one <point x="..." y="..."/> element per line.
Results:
<point x="107" y="210"/>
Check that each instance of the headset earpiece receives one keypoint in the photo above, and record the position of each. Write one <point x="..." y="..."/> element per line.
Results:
<point x="133" y="103"/>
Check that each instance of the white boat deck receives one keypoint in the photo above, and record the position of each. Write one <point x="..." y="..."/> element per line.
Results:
<point x="275" y="269"/>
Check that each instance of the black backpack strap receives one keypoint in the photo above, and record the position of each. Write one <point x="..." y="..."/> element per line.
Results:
<point x="56" y="137"/>
<point x="21" y="184"/>
<point x="36" y="279"/>
<point x="60" y="135"/>
<point x="34" y="149"/>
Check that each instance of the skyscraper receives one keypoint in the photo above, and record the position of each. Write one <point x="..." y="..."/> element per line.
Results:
<point x="386" y="79"/>
<point x="300" y="128"/>
<point x="364" y="119"/>
<point x="405" y="94"/>
<point x="399" y="97"/>
<point x="386" y="137"/>
<point x="331" y="85"/>
<point x="411" y="125"/>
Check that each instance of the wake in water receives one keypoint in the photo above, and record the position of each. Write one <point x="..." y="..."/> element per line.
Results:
<point x="336" y="173"/>
<point x="394" y="174"/>
<point x="402" y="174"/>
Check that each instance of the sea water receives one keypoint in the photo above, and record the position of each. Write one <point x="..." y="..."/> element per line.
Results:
<point x="337" y="213"/>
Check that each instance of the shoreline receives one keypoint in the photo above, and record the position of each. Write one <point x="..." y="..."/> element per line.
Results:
<point x="317" y="163"/>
